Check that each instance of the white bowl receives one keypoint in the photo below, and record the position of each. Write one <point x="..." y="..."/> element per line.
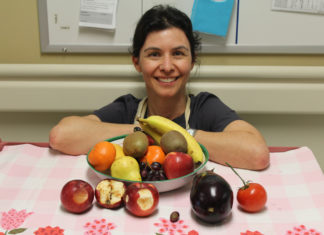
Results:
<point x="162" y="185"/>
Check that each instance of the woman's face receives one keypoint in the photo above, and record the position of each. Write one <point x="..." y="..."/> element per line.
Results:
<point x="165" y="62"/>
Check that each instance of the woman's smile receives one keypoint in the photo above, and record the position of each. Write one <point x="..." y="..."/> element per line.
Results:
<point x="166" y="79"/>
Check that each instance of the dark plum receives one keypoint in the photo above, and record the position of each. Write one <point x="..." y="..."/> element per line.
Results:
<point x="211" y="197"/>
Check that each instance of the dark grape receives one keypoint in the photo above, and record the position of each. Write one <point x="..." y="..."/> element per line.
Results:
<point x="162" y="175"/>
<point x="156" y="166"/>
<point x="152" y="173"/>
<point x="145" y="170"/>
<point x="154" y="178"/>
<point x="149" y="178"/>
<point x="142" y="165"/>
<point x="144" y="173"/>
<point x="137" y="128"/>
<point x="157" y="174"/>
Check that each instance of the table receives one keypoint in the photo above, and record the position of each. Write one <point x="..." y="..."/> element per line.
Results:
<point x="31" y="179"/>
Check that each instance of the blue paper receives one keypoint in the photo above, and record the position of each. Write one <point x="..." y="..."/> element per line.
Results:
<point x="212" y="16"/>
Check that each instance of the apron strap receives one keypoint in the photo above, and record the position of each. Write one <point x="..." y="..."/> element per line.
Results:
<point x="141" y="110"/>
<point x="142" y="106"/>
<point x="187" y="112"/>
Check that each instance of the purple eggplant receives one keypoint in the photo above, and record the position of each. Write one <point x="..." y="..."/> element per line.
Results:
<point x="211" y="197"/>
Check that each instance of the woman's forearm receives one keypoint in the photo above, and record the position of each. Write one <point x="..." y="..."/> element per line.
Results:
<point x="76" y="135"/>
<point x="240" y="145"/>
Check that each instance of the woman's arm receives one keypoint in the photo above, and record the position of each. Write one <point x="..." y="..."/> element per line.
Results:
<point x="76" y="135"/>
<point x="240" y="144"/>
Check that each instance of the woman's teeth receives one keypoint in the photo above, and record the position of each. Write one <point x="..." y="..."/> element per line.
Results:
<point x="167" y="79"/>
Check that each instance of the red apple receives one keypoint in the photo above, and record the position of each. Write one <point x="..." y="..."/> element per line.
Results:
<point x="77" y="196"/>
<point x="141" y="199"/>
<point x="150" y="139"/>
<point x="177" y="164"/>
<point x="109" y="193"/>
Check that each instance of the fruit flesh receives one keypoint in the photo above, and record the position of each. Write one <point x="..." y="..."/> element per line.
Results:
<point x="80" y="196"/>
<point x="110" y="192"/>
<point x="145" y="200"/>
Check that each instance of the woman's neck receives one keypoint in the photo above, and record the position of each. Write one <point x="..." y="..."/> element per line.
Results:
<point x="170" y="108"/>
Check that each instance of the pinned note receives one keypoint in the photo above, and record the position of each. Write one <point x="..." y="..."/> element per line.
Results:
<point x="212" y="16"/>
<point x="98" y="13"/>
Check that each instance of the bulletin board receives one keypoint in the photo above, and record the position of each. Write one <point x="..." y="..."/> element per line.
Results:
<point x="254" y="28"/>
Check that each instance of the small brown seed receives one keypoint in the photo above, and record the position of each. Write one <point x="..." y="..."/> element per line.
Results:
<point x="174" y="217"/>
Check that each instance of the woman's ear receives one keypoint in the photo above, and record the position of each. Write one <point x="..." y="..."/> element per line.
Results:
<point x="193" y="62"/>
<point x="136" y="64"/>
<point x="192" y="65"/>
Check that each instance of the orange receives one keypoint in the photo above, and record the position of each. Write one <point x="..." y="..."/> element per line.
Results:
<point x="154" y="154"/>
<point x="102" y="155"/>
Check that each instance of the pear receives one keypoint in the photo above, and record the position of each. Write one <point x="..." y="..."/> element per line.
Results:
<point x="119" y="151"/>
<point x="126" y="168"/>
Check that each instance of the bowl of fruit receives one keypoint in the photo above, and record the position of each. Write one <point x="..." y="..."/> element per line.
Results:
<point x="159" y="152"/>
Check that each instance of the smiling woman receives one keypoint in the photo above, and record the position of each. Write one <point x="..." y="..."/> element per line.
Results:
<point x="164" y="51"/>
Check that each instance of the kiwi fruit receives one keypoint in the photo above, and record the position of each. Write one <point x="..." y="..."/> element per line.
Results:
<point x="135" y="144"/>
<point x="173" y="141"/>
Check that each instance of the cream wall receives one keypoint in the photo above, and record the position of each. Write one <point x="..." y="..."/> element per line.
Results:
<point x="282" y="124"/>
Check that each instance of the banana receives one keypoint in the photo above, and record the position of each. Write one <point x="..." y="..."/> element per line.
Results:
<point x="160" y="125"/>
<point x="148" y="130"/>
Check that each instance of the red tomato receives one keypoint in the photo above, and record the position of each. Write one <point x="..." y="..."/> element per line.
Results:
<point x="252" y="197"/>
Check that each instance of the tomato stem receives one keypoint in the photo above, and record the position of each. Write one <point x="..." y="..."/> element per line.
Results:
<point x="246" y="185"/>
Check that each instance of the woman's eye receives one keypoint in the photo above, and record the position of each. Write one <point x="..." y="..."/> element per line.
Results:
<point x="153" y="54"/>
<point x="179" y="53"/>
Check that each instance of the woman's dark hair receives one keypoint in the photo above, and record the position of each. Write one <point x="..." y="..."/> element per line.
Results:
<point x="163" y="17"/>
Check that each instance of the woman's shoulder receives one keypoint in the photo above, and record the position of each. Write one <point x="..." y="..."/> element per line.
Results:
<point x="202" y="97"/>
<point x="205" y="101"/>
<point x="128" y="98"/>
<point x="121" y="110"/>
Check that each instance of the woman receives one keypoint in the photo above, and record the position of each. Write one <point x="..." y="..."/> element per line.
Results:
<point x="164" y="52"/>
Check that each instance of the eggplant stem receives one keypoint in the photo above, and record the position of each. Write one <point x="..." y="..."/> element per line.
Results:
<point x="244" y="183"/>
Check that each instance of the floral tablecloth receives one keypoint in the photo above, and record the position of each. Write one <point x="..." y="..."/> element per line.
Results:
<point x="31" y="179"/>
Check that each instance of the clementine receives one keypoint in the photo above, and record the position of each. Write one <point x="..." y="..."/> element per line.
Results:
<point x="154" y="154"/>
<point x="102" y="155"/>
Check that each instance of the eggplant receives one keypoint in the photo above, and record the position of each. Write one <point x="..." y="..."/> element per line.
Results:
<point x="211" y="197"/>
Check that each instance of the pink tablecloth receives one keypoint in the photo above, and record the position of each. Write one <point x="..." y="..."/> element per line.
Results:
<point x="31" y="179"/>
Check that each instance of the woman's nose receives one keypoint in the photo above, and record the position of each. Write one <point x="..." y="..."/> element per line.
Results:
<point x="166" y="64"/>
